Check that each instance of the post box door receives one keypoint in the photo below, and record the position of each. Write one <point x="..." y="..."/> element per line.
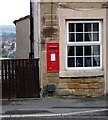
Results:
<point x="52" y="57"/>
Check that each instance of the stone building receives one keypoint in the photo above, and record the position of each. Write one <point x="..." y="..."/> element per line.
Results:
<point x="73" y="41"/>
<point x="70" y="38"/>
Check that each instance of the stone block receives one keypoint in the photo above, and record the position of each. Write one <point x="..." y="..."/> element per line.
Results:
<point x="53" y="80"/>
<point x="98" y="93"/>
<point x="84" y="92"/>
<point x="62" y="86"/>
<point x="45" y="8"/>
<point x="101" y="85"/>
<point x="73" y="85"/>
<point x="65" y="80"/>
<point x="93" y="80"/>
<point x="50" y="16"/>
<point x="63" y="92"/>
<point x="79" y="92"/>
<point x="53" y="75"/>
<point x="84" y="86"/>
<point x="81" y="5"/>
<point x="51" y="23"/>
<point x="78" y="80"/>
<point x="93" y="86"/>
<point x="87" y="80"/>
<point x="50" y="30"/>
<point x="89" y="92"/>
<point x="97" y="79"/>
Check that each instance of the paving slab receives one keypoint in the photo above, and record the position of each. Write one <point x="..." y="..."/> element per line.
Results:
<point x="53" y="105"/>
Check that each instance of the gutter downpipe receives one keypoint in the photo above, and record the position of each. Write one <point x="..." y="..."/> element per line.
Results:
<point x="31" y="53"/>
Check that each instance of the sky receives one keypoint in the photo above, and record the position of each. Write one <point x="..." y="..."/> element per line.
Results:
<point x="11" y="10"/>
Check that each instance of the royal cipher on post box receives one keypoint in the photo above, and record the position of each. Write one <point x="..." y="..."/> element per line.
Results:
<point x="52" y="57"/>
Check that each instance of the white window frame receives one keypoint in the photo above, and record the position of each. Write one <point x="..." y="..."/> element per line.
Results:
<point x="90" y="43"/>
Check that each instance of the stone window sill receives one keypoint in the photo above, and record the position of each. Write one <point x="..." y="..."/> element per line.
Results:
<point x="80" y="73"/>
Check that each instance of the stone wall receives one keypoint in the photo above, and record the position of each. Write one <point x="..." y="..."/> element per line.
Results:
<point x="89" y="86"/>
<point x="81" y="87"/>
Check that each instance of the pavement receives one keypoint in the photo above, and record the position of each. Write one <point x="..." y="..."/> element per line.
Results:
<point x="53" y="106"/>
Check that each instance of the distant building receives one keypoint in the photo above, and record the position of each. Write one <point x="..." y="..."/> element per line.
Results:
<point x="11" y="55"/>
<point x="22" y="37"/>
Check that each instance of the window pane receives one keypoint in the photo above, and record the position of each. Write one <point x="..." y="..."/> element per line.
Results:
<point x="96" y="61"/>
<point x="87" y="50"/>
<point x="95" y="26"/>
<point x="71" y="27"/>
<point x="96" y="50"/>
<point x="71" y="62"/>
<point x="88" y="37"/>
<point x="79" y="62"/>
<point x="79" y="27"/>
<point x="95" y="36"/>
<point x="71" y="37"/>
<point x="79" y="51"/>
<point x="70" y="50"/>
<point x="79" y="37"/>
<point x="87" y="27"/>
<point x="87" y="61"/>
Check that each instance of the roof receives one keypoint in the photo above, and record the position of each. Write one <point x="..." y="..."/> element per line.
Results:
<point x="20" y="19"/>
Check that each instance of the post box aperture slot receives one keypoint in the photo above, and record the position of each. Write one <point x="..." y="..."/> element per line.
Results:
<point x="52" y="47"/>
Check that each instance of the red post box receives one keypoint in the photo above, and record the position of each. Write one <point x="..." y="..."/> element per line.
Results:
<point x="52" y="57"/>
